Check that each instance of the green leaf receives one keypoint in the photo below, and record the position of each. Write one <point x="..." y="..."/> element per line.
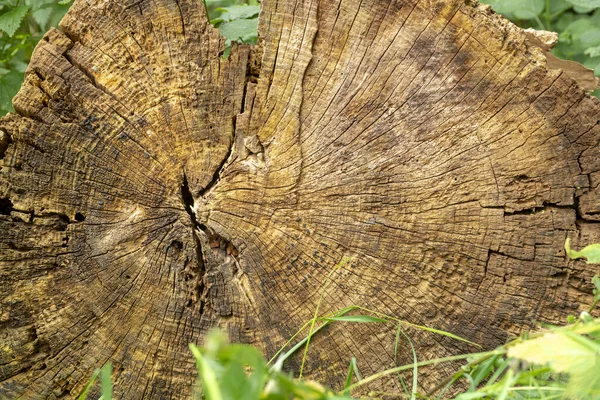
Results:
<point x="86" y="389"/>
<point x="565" y="352"/>
<point x="521" y="9"/>
<point x="591" y="253"/>
<point x="10" y="84"/>
<point x="355" y="318"/>
<point x="238" y="12"/>
<point x="244" y="30"/>
<point x="235" y="381"/>
<point x="42" y="16"/>
<point x="593" y="51"/>
<point x="582" y="10"/>
<point x="591" y="37"/>
<point x="591" y="4"/>
<point x="528" y="9"/>
<point x="11" y="20"/>
<point x="352" y="371"/>
<point x="596" y="282"/>
<point x="206" y="375"/>
<point x="106" y="381"/>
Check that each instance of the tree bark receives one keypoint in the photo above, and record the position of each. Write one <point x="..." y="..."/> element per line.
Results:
<point x="151" y="190"/>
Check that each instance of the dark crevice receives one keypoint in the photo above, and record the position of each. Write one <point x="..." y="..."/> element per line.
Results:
<point x="62" y="220"/>
<point x="20" y="248"/>
<point x="218" y="171"/>
<point x="6" y="206"/>
<point x="29" y="141"/>
<point x="95" y="83"/>
<point x="198" y="290"/>
<point x="502" y="254"/>
<point x="198" y="270"/>
<point x="544" y="206"/>
<point x="197" y="276"/>
<point x="188" y="203"/>
<point x="182" y="19"/>
<point x="577" y="209"/>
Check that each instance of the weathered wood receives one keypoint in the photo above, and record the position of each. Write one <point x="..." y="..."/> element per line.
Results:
<point x="150" y="189"/>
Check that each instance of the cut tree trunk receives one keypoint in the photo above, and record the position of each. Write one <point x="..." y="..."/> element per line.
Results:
<point x="421" y="153"/>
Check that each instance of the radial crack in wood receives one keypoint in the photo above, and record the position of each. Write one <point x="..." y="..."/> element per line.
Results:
<point x="151" y="190"/>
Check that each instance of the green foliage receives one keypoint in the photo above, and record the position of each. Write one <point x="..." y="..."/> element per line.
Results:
<point x="591" y="253"/>
<point x="232" y="13"/>
<point x="239" y="372"/>
<point x="237" y="21"/>
<point x="566" y="351"/>
<point x="22" y="25"/>
<point x="576" y="21"/>
<point x="560" y="362"/>
<point x="106" y="382"/>
<point x="11" y="19"/>
<point x="105" y="374"/>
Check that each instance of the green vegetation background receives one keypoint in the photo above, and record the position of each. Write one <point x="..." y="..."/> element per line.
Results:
<point x="24" y="22"/>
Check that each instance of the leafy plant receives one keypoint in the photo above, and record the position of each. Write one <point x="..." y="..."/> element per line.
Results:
<point x="237" y="21"/>
<point x="105" y="374"/>
<point x="576" y="21"/>
<point x="239" y="372"/>
<point x="559" y="362"/>
<point x="22" y="25"/>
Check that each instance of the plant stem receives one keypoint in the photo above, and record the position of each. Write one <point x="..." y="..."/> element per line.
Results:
<point x="593" y="306"/>
<point x="314" y="320"/>
<point x="420" y="364"/>
<point x="457" y="374"/>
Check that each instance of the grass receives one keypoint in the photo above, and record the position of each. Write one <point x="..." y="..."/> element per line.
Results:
<point x="558" y="362"/>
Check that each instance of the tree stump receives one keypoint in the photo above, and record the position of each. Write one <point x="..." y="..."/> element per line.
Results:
<point x="151" y="190"/>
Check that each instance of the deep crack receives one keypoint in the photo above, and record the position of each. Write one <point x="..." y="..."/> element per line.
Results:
<point x="200" y="291"/>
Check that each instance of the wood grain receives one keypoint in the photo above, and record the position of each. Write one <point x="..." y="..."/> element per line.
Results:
<point x="151" y="190"/>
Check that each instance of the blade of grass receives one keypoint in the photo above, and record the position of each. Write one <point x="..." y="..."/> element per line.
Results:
<point x="509" y="378"/>
<point x="297" y="346"/>
<point x="453" y="378"/>
<point x="420" y="364"/>
<point x="106" y="382"/>
<point x="413" y="395"/>
<point x="421" y="327"/>
<point x="355" y="318"/>
<point x="86" y="389"/>
<point x="352" y="371"/>
<point x="499" y="371"/>
<point x="315" y="316"/>
<point x="396" y="341"/>
<point x="337" y="313"/>
<point x="484" y="369"/>
<point x="209" y="379"/>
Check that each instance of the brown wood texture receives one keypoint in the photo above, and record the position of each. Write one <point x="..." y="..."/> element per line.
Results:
<point x="151" y="190"/>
